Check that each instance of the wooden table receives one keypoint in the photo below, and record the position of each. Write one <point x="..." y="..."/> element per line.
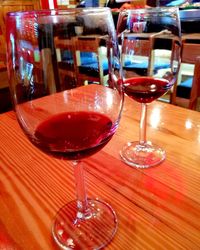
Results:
<point x="157" y="208"/>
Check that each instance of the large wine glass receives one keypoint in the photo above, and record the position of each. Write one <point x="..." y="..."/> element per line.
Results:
<point x="67" y="108"/>
<point x="150" y="42"/>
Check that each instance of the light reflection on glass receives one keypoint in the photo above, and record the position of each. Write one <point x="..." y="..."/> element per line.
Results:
<point x="109" y="100"/>
<point x="65" y="96"/>
<point x="13" y="48"/>
<point x="155" y="117"/>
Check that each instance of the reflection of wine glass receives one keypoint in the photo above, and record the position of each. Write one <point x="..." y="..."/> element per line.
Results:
<point x="150" y="48"/>
<point x="62" y="116"/>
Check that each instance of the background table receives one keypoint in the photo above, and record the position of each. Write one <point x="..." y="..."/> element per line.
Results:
<point x="157" y="208"/>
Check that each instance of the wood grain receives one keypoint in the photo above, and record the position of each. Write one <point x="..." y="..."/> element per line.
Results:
<point x="157" y="208"/>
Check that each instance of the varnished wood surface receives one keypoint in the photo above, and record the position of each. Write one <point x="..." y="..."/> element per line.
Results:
<point x="157" y="208"/>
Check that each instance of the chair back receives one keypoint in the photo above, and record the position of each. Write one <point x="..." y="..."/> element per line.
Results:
<point x="186" y="90"/>
<point x="194" y="102"/>
<point x="92" y="66"/>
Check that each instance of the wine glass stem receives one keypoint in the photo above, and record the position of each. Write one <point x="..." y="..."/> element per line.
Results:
<point x="143" y="120"/>
<point x="83" y="212"/>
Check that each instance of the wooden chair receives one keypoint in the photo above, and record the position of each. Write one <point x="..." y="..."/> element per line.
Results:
<point x="66" y="61"/>
<point x="146" y="55"/>
<point x="136" y="56"/>
<point x="194" y="101"/>
<point x="188" y="76"/>
<point x="92" y="66"/>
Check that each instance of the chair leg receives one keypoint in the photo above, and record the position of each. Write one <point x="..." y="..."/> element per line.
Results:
<point x="173" y="94"/>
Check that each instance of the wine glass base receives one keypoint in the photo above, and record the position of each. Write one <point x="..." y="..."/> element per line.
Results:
<point x="142" y="156"/>
<point x="95" y="231"/>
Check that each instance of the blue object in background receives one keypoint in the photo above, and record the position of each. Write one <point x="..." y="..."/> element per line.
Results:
<point x="168" y="3"/>
<point x="184" y="88"/>
<point x="91" y="3"/>
<point x="176" y="3"/>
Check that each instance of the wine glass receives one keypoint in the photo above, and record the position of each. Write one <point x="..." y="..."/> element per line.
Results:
<point x="65" y="117"/>
<point x="150" y="41"/>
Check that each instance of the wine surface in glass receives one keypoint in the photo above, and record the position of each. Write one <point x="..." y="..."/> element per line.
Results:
<point x="73" y="135"/>
<point x="145" y="89"/>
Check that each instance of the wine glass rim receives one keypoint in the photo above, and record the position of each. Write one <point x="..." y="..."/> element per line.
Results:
<point x="53" y="12"/>
<point x="153" y="10"/>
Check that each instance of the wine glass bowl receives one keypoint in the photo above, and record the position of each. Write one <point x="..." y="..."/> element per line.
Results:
<point x="150" y="42"/>
<point x="65" y="109"/>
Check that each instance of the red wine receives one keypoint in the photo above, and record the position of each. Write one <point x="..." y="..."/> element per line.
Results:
<point x="73" y="135"/>
<point x="145" y="89"/>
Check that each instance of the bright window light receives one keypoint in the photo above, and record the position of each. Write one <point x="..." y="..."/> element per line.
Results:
<point x="51" y="4"/>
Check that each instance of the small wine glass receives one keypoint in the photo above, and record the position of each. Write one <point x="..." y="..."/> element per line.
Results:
<point x="150" y="41"/>
<point x="66" y="115"/>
